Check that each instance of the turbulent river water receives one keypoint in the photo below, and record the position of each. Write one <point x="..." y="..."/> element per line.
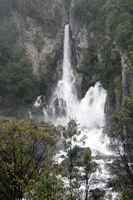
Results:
<point x="89" y="112"/>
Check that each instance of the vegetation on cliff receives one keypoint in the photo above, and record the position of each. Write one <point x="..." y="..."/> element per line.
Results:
<point x="111" y="24"/>
<point x="18" y="84"/>
<point x="8" y="36"/>
<point x="21" y="79"/>
<point x="110" y="35"/>
<point x="17" y="78"/>
<point x="25" y="161"/>
<point x="110" y="32"/>
<point x="121" y="137"/>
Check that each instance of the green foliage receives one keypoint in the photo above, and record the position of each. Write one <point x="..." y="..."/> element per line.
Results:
<point x="70" y="134"/>
<point x="50" y="186"/>
<point x="123" y="118"/>
<point x="87" y="161"/>
<point x="127" y="194"/>
<point x="108" y="72"/>
<point x="23" y="153"/>
<point x="43" y="13"/>
<point x="88" y="11"/>
<point x="46" y="74"/>
<point x="121" y="135"/>
<point x="21" y="79"/>
<point x="8" y="36"/>
<point x="120" y="22"/>
<point x="6" y="7"/>
<point x="27" y="169"/>
<point x="111" y="24"/>
<point x="90" y="61"/>
<point x="18" y="85"/>
<point x="88" y="169"/>
<point x="119" y="19"/>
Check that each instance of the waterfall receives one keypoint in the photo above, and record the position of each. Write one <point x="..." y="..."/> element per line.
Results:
<point x="89" y="112"/>
<point x="64" y="103"/>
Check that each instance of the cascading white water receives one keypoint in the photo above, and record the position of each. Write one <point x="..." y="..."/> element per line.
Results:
<point x="64" y="97"/>
<point x="89" y="111"/>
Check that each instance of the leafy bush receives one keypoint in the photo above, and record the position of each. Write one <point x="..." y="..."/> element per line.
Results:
<point x="24" y="151"/>
<point x="122" y="144"/>
<point x="127" y="194"/>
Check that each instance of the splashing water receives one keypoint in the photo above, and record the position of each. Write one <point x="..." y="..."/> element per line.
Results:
<point x="64" y="104"/>
<point x="89" y="112"/>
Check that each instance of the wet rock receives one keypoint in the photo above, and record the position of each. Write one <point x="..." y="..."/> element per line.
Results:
<point x="94" y="165"/>
<point x="78" y="155"/>
<point x="115" y="167"/>
<point x="60" y="107"/>
<point x="37" y="114"/>
<point x="112" y="183"/>
<point x="97" y="193"/>
<point x="36" y="111"/>
<point x="60" y="128"/>
<point x="84" y="138"/>
<point x="100" y="156"/>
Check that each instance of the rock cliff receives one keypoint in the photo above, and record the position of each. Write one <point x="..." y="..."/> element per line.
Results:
<point x="93" y="57"/>
<point x="127" y="76"/>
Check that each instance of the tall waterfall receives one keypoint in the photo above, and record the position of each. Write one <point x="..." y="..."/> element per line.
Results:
<point x="64" y="103"/>
<point x="89" y="112"/>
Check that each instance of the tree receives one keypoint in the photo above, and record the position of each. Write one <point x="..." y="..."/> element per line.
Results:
<point x="121" y="136"/>
<point x="24" y="150"/>
<point x="120" y="22"/>
<point x="8" y="37"/>
<point x="21" y="79"/>
<point x="70" y="135"/>
<point x="88" y="170"/>
<point x="50" y="184"/>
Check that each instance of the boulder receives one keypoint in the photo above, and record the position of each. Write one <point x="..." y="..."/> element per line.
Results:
<point x="78" y="155"/>
<point x="60" y="107"/>
<point x="97" y="193"/>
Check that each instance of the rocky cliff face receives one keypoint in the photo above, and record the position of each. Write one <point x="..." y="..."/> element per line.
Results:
<point x="53" y="46"/>
<point x="79" y="40"/>
<point x="42" y="35"/>
<point x="41" y="32"/>
<point x="49" y="46"/>
<point x="40" y="43"/>
<point x="127" y="76"/>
